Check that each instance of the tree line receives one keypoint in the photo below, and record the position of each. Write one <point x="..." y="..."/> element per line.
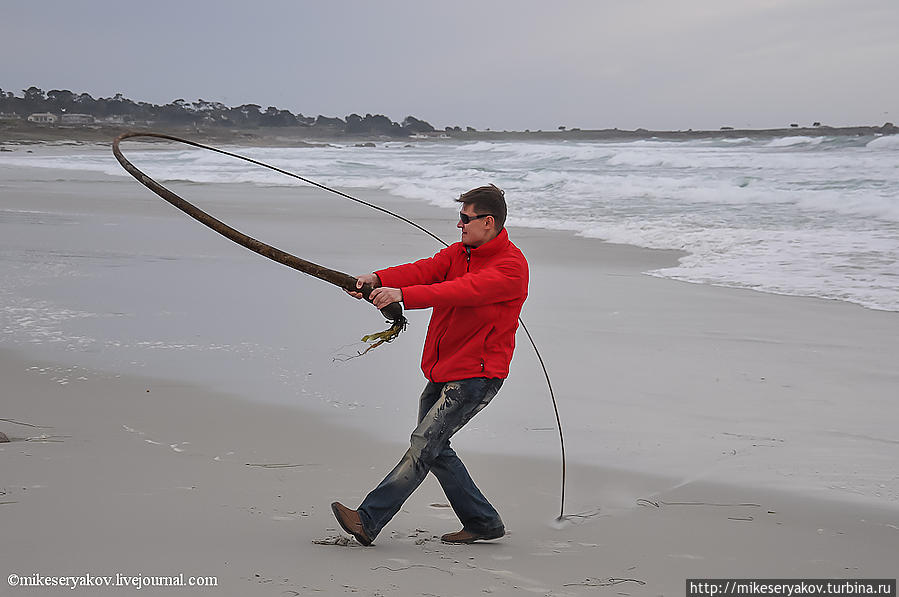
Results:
<point x="200" y="112"/>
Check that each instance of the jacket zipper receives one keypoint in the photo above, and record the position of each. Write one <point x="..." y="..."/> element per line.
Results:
<point x="437" y="343"/>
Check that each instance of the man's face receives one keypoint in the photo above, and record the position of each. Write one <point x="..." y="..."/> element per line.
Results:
<point x="477" y="231"/>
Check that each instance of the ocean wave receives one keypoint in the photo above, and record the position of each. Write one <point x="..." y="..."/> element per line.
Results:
<point x="856" y="204"/>
<point x="797" y="140"/>
<point x="886" y="142"/>
<point x="822" y="263"/>
<point x="478" y="146"/>
<point x="644" y="159"/>
<point x="820" y="211"/>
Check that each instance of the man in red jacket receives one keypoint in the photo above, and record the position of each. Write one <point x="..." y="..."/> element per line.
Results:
<point x="476" y="288"/>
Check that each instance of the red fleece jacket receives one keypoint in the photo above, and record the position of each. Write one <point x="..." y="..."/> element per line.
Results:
<point x="476" y="295"/>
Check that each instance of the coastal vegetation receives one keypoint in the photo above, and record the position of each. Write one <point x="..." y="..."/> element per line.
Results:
<point x="59" y="113"/>
<point x="201" y="113"/>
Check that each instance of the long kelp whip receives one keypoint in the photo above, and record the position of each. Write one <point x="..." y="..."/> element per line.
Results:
<point x="393" y="312"/>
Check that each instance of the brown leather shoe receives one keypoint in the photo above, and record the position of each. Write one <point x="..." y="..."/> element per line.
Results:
<point x="351" y="522"/>
<point x="466" y="536"/>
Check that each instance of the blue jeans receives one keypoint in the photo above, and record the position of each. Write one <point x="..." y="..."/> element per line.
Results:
<point x="443" y="409"/>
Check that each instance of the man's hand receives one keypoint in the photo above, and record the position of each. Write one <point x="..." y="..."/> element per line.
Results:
<point x="371" y="279"/>
<point x="381" y="297"/>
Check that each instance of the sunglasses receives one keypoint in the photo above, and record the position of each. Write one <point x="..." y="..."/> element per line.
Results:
<point x="467" y="218"/>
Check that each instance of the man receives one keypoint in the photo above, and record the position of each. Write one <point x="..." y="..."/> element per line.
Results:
<point x="476" y="288"/>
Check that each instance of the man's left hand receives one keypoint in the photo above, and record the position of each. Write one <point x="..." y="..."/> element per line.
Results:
<point x="381" y="297"/>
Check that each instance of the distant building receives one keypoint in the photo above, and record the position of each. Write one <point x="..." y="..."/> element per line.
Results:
<point x="76" y="119"/>
<point x="43" y="118"/>
<point x="114" y="119"/>
<point x="4" y="117"/>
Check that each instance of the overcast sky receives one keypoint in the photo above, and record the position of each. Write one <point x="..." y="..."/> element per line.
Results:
<point x="504" y="64"/>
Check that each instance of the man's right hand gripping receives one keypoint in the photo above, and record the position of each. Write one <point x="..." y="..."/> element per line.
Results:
<point x="371" y="279"/>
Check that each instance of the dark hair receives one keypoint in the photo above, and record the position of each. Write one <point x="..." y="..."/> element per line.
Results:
<point x="488" y="199"/>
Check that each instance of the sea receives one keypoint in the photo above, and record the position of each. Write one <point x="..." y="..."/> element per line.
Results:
<point x="795" y="215"/>
<point x="99" y="274"/>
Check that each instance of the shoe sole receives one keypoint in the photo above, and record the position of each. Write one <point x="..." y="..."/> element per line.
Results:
<point x="360" y="538"/>
<point x="472" y="540"/>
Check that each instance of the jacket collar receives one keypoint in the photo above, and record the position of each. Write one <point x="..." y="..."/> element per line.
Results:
<point x="491" y="247"/>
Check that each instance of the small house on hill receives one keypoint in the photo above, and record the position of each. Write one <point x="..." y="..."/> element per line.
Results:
<point x="76" y="119"/>
<point x="43" y="118"/>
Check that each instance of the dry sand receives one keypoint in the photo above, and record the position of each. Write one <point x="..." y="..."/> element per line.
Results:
<point x="147" y="477"/>
<point x="713" y="432"/>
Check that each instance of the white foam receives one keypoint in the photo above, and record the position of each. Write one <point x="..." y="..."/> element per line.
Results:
<point x="797" y="140"/>
<point x="886" y="142"/>
<point x="734" y="204"/>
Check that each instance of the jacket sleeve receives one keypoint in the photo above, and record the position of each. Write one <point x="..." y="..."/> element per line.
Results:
<point x="505" y="281"/>
<point x="424" y="271"/>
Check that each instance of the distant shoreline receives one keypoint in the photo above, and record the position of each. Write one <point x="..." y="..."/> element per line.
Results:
<point x="23" y="133"/>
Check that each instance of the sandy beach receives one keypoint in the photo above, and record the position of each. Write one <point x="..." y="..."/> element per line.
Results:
<point x="179" y="405"/>
<point x="140" y="476"/>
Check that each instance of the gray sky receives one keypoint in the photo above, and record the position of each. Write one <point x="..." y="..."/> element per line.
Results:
<point x="502" y="64"/>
